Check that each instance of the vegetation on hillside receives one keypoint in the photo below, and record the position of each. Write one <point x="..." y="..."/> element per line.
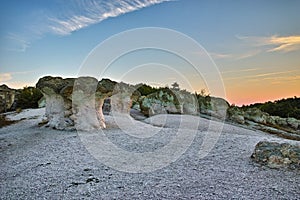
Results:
<point x="28" y="97"/>
<point x="289" y="107"/>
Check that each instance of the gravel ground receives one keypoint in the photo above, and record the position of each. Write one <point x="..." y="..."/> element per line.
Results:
<point x="39" y="163"/>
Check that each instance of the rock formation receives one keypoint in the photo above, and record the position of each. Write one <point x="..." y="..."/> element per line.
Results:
<point x="78" y="102"/>
<point x="276" y="155"/>
<point x="240" y="116"/>
<point x="215" y="107"/>
<point x="168" y="101"/>
<point x="7" y="97"/>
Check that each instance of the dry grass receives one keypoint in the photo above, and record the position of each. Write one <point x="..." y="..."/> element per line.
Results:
<point x="5" y="122"/>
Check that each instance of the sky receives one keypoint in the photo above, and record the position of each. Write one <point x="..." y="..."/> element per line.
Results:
<point x="253" y="45"/>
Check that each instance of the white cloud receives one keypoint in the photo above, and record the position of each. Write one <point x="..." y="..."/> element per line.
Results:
<point x="85" y="13"/>
<point x="5" y="77"/>
<point x="69" y="16"/>
<point x="278" y="43"/>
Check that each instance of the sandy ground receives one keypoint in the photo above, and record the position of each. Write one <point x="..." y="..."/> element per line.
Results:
<point x="41" y="163"/>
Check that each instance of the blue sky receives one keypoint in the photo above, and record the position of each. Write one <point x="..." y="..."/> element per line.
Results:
<point x="255" y="44"/>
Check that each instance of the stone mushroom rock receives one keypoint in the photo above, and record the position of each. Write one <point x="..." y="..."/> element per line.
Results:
<point x="56" y="104"/>
<point x="77" y="102"/>
<point x="86" y="113"/>
<point x="121" y="100"/>
<point x="277" y="155"/>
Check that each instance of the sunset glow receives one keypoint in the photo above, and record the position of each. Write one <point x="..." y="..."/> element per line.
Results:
<point x="256" y="53"/>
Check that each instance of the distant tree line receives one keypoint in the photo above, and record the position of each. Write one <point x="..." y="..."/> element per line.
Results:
<point x="289" y="107"/>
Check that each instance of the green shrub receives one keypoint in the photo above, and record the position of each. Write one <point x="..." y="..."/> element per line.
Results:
<point x="28" y="97"/>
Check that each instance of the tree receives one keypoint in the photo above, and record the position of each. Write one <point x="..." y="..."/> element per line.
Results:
<point x="289" y="107"/>
<point x="28" y="97"/>
<point x="175" y="86"/>
<point x="146" y="89"/>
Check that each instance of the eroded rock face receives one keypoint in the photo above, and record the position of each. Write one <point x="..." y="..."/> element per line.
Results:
<point x="256" y="115"/>
<point x="219" y="107"/>
<point x="168" y="101"/>
<point x="7" y="97"/>
<point x="236" y="115"/>
<point x="77" y="103"/>
<point x="276" y="155"/>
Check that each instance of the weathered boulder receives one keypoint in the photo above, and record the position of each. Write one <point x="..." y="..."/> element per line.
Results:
<point x="7" y="98"/>
<point x="161" y="102"/>
<point x="168" y="101"/>
<point x="293" y="123"/>
<point x="289" y="122"/>
<point x="276" y="155"/>
<point x="189" y="103"/>
<point x="216" y="107"/>
<point x="121" y="100"/>
<point x="236" y="114"/>
<point x="256" y="115"/>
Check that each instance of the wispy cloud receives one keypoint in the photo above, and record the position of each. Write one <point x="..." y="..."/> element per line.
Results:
<point x="279" y="75"/>
<point x="275" y="73"/>
<point x="220" y="55"/>
<point x="237" y="56"/>
<point x="86" y="13"/>
<point x="66" y="16"/>
<point x="5" y="77"/>
<point x="241" y="70"/>
<point x="17" y="43"/>
<point x="278" y="43"/>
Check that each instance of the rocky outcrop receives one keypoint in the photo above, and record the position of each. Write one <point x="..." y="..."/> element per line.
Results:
<point x="77" y="103"/>
<point x="182" y="102"/>
<point x="7" y="97"/>
<point x="216" y="107"/>
<point x="168" y="101"/>
<point x="256" y="115"/>
<point x="276" y="155"/>
<point x="240" y="116"/>
<point x="236" y="115"/>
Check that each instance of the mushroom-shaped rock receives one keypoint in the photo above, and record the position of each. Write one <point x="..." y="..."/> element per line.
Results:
<point x="57" y="106"/>
<point x="78" y="101"/>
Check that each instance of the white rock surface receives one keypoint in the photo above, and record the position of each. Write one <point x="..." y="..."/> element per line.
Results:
<point x="41" y="163"/>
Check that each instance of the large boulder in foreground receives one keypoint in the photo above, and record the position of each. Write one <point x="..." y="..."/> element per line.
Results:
<point x="277" y="155"/>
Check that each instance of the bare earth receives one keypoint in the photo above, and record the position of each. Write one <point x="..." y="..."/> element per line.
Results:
<point x="41" y="163"/>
